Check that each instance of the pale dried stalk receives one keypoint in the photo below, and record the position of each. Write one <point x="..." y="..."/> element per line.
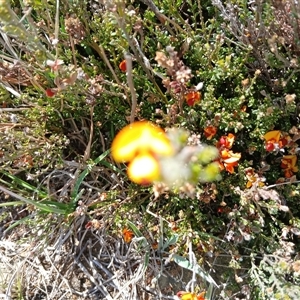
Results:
<point x="128" y="59"/>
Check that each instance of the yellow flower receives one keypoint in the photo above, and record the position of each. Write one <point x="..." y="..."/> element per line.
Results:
<point x="140" y="137"/>
<point x="141" y="144"/>
<point x="190" y="296"/>
<point x="144" y="169"/>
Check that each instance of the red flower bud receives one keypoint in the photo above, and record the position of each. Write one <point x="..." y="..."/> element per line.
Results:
<point x="50" y="92"/>
<point x="122" y="65"/>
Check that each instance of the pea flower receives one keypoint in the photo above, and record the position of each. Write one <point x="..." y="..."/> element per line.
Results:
<point x="152" y="155"/>
<point x="272" y="139"/>
<point x="210" y="132"/>
<point x="226" y="141"/>
<point x="228" y="159"/>
<point x="141" y="144"/>
<point x="288" y="164"/>
<point x="190" y="296"/>
<point x="192" y="98"/>
<point x="144" y="169"/>
<point x="253" y="178"/>
<point x="127" y="235"/>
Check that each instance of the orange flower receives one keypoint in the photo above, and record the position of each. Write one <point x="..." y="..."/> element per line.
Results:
<point x="250" y="174"/>
<point x="190" y="296"/>
<point x="230" y="167"/>
<point x="244" y="108"/>
<point x="193" y="98"/>
<point x="252" y="178"/>
<point x="230" y="140"/>
<point x="127" y="235"/>
<point x="288" y="163"/>
<point x="210" y="131"/>
<point x="122" y="65"/>
<point x="273" y="135"/>
<point x="226" y="141"/>
<point x="236" y="113"/>
<point x="225" y="153"/>
<point x="229" y="157"/>
<point x="229" y="160"/>
<point x="272" y="138"/>
<point x="221" y="165"/>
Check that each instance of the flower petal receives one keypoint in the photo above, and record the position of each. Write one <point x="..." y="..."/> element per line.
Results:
<point x="210" y="131"/>
<point x="230" y="167"/>
<point x="230" y="140"/>
<point x="127" y="235"/>
<point x="289" y="160"/>
<point x="192" y="98"/>
<point x="140" y="137"/>
<point x="273" y="135"/>
<point x="232" y="159"/>
<point x="186" y="295"/>
<point x="144" y="169"/>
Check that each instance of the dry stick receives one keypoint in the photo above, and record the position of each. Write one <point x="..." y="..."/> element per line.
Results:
<point x="12" y="279"/>
<point x="33" y="81"/>
<point x="9" y="46"/>
<point x="87" y="151"/>
<point x="27" y="16"/>
<point x="18" y="23"/>
<point x="192" y="260"/>
<point x="73" y="51"/>
<point x="128" y="59"/>
<point x="282" y="183"/>
<point x="74" y="164"/>
<point x="140" y="56"/>
<point x="100" y="287"/>
<point x="8" y="87"/>
<point x="13" y="109"/>
<point x="56" y="29"/>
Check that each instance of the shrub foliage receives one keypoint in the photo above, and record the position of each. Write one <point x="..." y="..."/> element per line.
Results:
<point x="220" y="73"/>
